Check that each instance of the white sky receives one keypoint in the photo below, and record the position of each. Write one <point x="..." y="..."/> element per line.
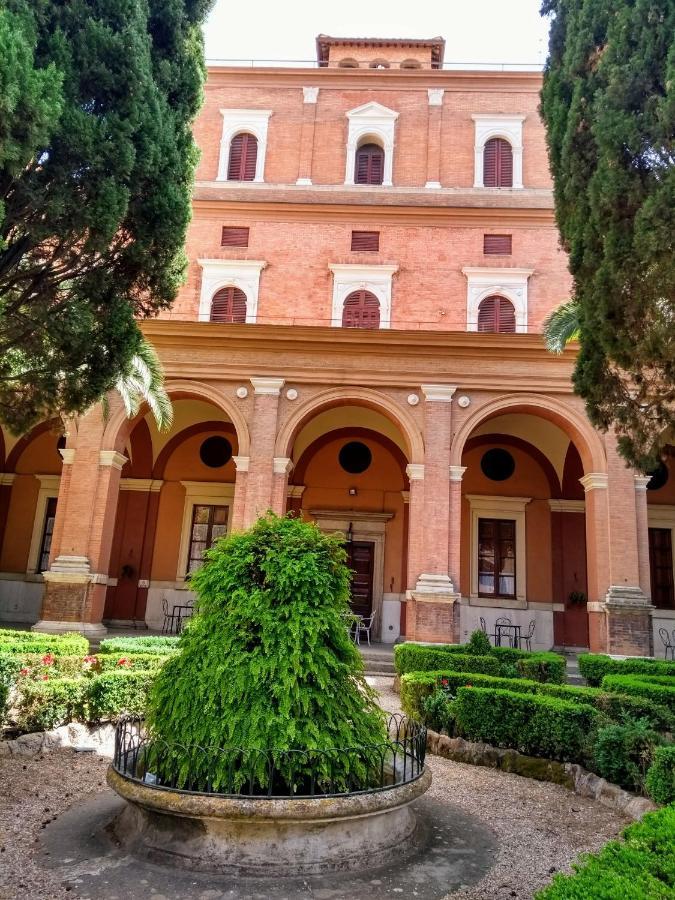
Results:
<point x="479" y="31"/>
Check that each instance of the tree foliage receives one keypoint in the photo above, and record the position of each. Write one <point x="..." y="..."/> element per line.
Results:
<point x="266" y="663"/>
<point x="96" y="167"/>
<point x="608" y="102"/>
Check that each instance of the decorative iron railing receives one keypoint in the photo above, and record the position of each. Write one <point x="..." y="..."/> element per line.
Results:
<point x="280" y="774"/>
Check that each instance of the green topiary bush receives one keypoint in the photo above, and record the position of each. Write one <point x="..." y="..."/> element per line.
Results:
<point x="503" y="662"/>
<point x="131" y="662"/>
<point x="112" y="694"/>
<point x="531" y="723"/>
<point x="634" y="685"/>
<point x="594" y="667"/>
<point x="623" y="753"/>
<point x="479" y="644"/>
<point x="267" y="662"/>
<point x="149" y="644"/>
<point x="69" y="644"/>
<point x="438" y="711"/>
<point x="660" y="780"/>
<point x="544" y="667"/>
<point x="641" y="867"/>
<point x="47" y="704"/>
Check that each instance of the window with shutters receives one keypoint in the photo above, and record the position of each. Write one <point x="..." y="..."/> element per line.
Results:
<point x="496" y="314"/>
<point x="234" y="237"/>
<point x="661" y="567"/>
<point x="208" y="524"/>
<point x="243" y="157"/>
<point x="366" y="241"/>
<point x="228" y="306"/>
<point x="47" y="532"/>
<point x="497" y="163"/>
<point x="497" y="244"/>
<point x="369" y="165"/>
<point x="361" y="310"/>
<point x="496" y="558"/>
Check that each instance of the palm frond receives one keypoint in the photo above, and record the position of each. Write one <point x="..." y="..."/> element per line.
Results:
<point x="562" y="326"/>
<point x="144" y="383"/>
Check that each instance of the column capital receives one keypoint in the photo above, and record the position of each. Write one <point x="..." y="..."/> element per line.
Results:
<point x="435" y="96"/>
<point x="111" y="458"/>
<point x="241" y="463"/>
<point x="295" y="491"/>
<point x="438" y="393"/>
<point x="415" y="471"/>
<point x="641" y="482"/>
<point x="144" y="485"/>
<point x="457" y="473"/>
<point x="282" y="465"/>
<point x="310" y="94"/>
<point x="67" y="455"/>
<point x="594" y="481"/>
<point x="6" y="478"/>
<point x="271" y="386"/>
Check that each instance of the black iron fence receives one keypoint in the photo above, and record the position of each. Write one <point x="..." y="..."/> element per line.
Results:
<point x="282" y="774"/>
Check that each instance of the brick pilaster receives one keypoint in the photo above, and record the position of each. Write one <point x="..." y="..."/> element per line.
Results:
<point x="281" y="469"/>
<point x="310" y="97"/>
<point x="434" y="137"/>
<point x="260" y="479"/>
<point x="241" y="464"/>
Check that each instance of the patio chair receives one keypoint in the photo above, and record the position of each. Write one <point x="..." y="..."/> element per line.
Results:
<point x="668" y="645"/>
<point x="488" y="634"/>
<point x="364" y="625"/>
<point x="505" y="622"/>
<point x="527" y="638"/>
<point x="169" y="625"/>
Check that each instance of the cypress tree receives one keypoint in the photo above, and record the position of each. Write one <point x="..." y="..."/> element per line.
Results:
<point x="96" y="168"/>
<point x="608" y="102"/>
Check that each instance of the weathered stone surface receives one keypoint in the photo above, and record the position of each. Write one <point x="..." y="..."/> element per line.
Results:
<point x="100" y="738"/>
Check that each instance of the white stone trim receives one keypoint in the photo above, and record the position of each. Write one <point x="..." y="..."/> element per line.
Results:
<point x="295" y="491"/>
<point x="499" y="126"/>
<point x="68" y="456"/>
<point x="145" y="485"/>
<point x="457" y="473"/>
<point x="241" y="463"/>
<point x="310" y="94"/>
<point x="372" y="120"/>
<point x="435" y="96"/>
<point x="569" y="506"/>
<point x="594" y="481"/>
<point x="49" y="487"/>
<point x="235" y="121"/>
<point x="641" y="482"/>
<point x="239" y="273"/>
<point x="483" y="282"/>
<point x="281" y="465"/>
<point x="112" y="458"/>
<point x="415" y="471"/>
<point x="267" y="385"/>
<point x="7" y="478"/>
<point x="348" y="278"/>
<point x="485" y="507"/>
<point x="438" y="393"/>
<point x="209" y="493"/>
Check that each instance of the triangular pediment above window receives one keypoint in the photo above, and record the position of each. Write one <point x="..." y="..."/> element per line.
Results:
<point x="372" y="110"/>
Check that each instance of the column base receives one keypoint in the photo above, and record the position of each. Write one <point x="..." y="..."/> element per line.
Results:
<point x="435" y="584"/>
<point x="432" y="615"/>
<point x="622" y="625"/>
<point x="93" y="630"/>
<point x="73" y="602"/>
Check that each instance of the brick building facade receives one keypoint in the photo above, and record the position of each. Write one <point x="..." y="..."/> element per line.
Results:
<point x="371" y="258"/>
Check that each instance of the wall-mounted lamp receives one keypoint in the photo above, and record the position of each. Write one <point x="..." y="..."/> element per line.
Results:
<point x="353" y="492"/>
<point x="350" y="534"/>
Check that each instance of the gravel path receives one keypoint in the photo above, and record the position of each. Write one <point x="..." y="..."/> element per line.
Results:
<point x="540" y="827"/>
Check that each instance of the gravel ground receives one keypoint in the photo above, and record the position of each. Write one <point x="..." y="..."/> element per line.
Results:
<point x="540" y="827"/>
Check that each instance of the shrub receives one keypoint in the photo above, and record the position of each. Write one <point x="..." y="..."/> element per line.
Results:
<point x="148" y="644"/>
<point x="33" y="642"/>
<point x="544" y="667"/>
<point x="479" y="644"/>
<point x="617" y="707"/>
<point x="35" y="665"/>
<point x="267" y="662"/>
<point x="660" y="780"/>
<point x="634" y="685"/>
<point x="531" y="723"/>
<point x="111" y="694"/>
<point x="622" y="753"/>
<point x="641" y="867"/>
<point x="502" y="661"/>
<point x="131" y="662"/>
<point x="594" y="667"/>
<point x="47" y="704"/>
<point x="438" y="711"/>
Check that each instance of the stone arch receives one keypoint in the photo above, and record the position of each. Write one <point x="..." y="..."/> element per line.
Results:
<point x="575" y="426"/>
<point x="119" y="427"/>
<point x="25" y="440"/>
<point x="352" y="396"/>
<point x="165" y="453"/>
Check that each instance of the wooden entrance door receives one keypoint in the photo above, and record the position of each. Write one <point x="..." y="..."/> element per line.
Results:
<point x="360" y="559"/>
<point x="661" y="567"/>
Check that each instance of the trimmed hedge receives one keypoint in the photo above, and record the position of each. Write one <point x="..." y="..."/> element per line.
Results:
<point x="502" y="661"/>
<point x="544" y="667"/>
<point x="641" y="867"/>
<point x="132" y="662"/>
<point x="594" y="667"/>
<point x="634" y="685"/>
<point x="417" y="686"/>
<point x="69" y="644"/>
<point x="47" y="704"/>
<point x="660" y="781"/>
<point x="150" y="644"/>
<point x="113" y="693"/>
<point x="531" y="723"/>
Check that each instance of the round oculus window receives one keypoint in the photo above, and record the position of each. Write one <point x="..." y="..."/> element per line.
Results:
<point x="659" y="477"/>
<point x="497" y="464"/>
<point x="355" y="457"/>
<point x="215" y="452"/>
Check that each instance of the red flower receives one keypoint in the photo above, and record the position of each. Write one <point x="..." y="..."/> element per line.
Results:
<point x="89" y="659"/>
<point x="123" y="661"/>
<point x="24" y="672"/>
<point x="445" y="682"/>
<point x="48" y="660"/>
<point x="45" y="677"/>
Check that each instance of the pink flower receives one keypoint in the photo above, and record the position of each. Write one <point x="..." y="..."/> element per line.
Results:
<point x="24" y="672"/>
<point x="48" y="660"/>
<point x="45" y="677"/>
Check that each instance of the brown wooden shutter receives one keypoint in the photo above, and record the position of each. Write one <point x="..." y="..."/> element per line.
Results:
<point x="496" y="314"/>
<point x="243" y="157"/>
<point x="361" y="310"/>
<point x="497" y="163"/>
<point x="366" y="240"/>
<point x="234" y="237"/>
<point x="229" y="306"/>
<point x="369" y="166"/>
<point x="497" y="244"/>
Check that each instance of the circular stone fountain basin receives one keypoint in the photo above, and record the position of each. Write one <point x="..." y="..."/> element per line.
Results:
<point x="266" y="837"/>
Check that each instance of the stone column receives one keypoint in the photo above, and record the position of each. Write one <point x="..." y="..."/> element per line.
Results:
<point x="434" y="137"/>
<point x="415" y="473"/>
<point x="310" y="97"/>
<point x="282" y="466"/>
<point x="597" y="557"/>
<point x="75" y="584"/>
<point x="6" y="481"/>
<point x="241" y="464"/>
<point x="433" y="610"/>
<point x="455" y="544"/>
<point x="263" y="435"/>
<point x="642" y="522"/>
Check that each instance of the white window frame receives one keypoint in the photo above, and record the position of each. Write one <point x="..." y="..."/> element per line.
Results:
<point x="661" y="515"/>
<point x="239" y="273"/>
<point x="201" y="493"/>
<point x="487" y="507"/>
<point x="350" y="278"/>
<point x="374" y="123"/>
<point x="499" y="126"/>
<point x="509" y="283"/>
<point x="237" y="121"/>
<point x="49" y="487"/>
